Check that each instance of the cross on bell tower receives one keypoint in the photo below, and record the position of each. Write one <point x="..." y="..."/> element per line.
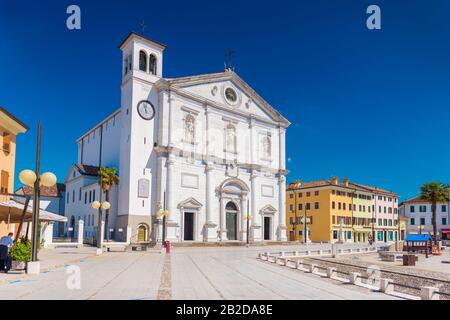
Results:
<point x="229" y="60"/>
<point x="143" y="26"/>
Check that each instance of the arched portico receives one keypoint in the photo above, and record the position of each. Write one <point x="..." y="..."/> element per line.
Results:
<point x="233" y="209"/>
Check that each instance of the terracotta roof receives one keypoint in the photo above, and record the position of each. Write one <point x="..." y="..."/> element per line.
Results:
<point x="54" y="191"/>
<point x="88" y="170"/>
<point x="351" y="185"/>
<point x="374" y="189"/>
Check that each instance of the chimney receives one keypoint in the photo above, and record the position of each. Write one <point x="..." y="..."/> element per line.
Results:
<point x="345" y="181"/>
<point x="335" y="180"/>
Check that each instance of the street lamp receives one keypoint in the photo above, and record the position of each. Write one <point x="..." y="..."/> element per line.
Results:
<point x="36" y="180"/>
<point x="248" y="217"/>
<point x="98" y="205"/>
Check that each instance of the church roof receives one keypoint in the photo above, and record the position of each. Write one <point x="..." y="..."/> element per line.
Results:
<point x="87" y="170"/>
<point x="141" y="37"/>
<point x="231" y="76"/>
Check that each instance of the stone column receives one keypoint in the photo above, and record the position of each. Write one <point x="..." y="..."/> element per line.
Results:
<point x="222" y="231"/>
<point x="209" y="224"/>
<point x="171" y="223"/>
<point x="257" y="221"/>
<point x="282" y="186"/>
<point x="282" y="209"/>
<point x="80" y="232"/>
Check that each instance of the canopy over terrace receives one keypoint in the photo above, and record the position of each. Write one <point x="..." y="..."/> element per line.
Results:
<point x="11" y="211"/>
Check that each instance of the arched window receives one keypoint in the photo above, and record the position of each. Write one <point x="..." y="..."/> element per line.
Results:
<point x="230" y="138"/>
<point x="267" y="147"/>
<point x="126" y="65"/>
<point x="189" y="128"/>
<point x="231" y="206"/>
<point x="142" y="61"/>
<point x="153" y="64"/>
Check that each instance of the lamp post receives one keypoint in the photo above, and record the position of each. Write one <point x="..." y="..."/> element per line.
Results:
<point x="248" y="217"/>
<point x="98" y="205"/>
<point x="35" y="180"/>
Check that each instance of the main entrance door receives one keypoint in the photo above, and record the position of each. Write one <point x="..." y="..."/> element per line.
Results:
<point x="188" y="226"/>
<point x="266" y="228"/>
<point x="231" y="225"/>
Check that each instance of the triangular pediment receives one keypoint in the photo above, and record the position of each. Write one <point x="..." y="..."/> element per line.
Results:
<point x="190" y="203"/>
<point x="218" y="88"/>
<point x="268" y="209"/>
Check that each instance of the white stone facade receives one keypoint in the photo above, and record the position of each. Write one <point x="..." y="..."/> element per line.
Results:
<point x="206" y="148"/>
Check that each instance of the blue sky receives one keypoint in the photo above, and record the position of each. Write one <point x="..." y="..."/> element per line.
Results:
<point x="372" y="106"/>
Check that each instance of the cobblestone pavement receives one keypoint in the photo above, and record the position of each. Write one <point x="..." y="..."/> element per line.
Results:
<point x="189" y="273"/>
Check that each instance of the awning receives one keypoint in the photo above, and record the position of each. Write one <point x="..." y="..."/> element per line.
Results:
<point x="418" y="237"/>
<point x="11" y="211"/>
<point x="445" y="231"/>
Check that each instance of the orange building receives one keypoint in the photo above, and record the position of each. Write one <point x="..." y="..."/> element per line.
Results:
<point x="334" y="211"/>
<point x="10" y="127"/>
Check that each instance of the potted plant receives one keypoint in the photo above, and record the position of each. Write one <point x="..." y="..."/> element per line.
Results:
<point x="20" y="254"/>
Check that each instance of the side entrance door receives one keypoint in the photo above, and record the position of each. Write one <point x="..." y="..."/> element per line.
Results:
<point x="267" y="228"/>
<point x="188" y="226"/>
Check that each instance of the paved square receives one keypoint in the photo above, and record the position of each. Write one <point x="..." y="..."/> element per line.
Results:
<point x="189" y="273"/>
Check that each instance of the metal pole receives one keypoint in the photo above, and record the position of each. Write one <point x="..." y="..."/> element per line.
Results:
<point x="36" y="200"/>
<point x="164" y="222"/>
<point x="248" y="223"/>
<point x="100" y="220"/>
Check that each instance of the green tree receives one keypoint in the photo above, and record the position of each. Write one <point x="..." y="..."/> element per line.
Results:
<point x="108" y="178"/>
<point x="434" y="192"/>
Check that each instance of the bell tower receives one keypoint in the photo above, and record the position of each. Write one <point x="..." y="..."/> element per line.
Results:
<point x="141" y="69"/>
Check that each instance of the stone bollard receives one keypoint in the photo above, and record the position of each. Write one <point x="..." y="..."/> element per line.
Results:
<point x="331" y="272"/>
<point x="282" y="253"/>
<point x="386" y="286"/>
<point x="429" y="293"/>
<point x="313" y="268"/>
<point x="355" y="278"/>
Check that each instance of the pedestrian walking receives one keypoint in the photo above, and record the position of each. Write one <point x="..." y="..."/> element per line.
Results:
<point x="5" y="243"/>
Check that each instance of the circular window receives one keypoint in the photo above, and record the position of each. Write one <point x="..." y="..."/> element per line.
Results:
<point x="231" y="95"/>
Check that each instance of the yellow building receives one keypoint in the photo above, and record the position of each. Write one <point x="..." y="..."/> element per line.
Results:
<point x="337" y="211"/>
<point x="10" y="127"/>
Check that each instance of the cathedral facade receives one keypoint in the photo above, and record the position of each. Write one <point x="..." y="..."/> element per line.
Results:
<point x="205" y="151"/>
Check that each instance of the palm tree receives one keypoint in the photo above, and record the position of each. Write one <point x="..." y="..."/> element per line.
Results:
<point x="434" y="192"/>
<point x="108" y="178"/>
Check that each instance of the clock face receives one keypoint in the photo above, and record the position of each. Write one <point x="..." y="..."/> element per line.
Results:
<point x="146" y="110"/>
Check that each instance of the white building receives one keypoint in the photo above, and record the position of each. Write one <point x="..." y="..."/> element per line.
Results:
<point x="418" y="213"/>
<point x="207" y="148"/>
<point x="52" y="199"/>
